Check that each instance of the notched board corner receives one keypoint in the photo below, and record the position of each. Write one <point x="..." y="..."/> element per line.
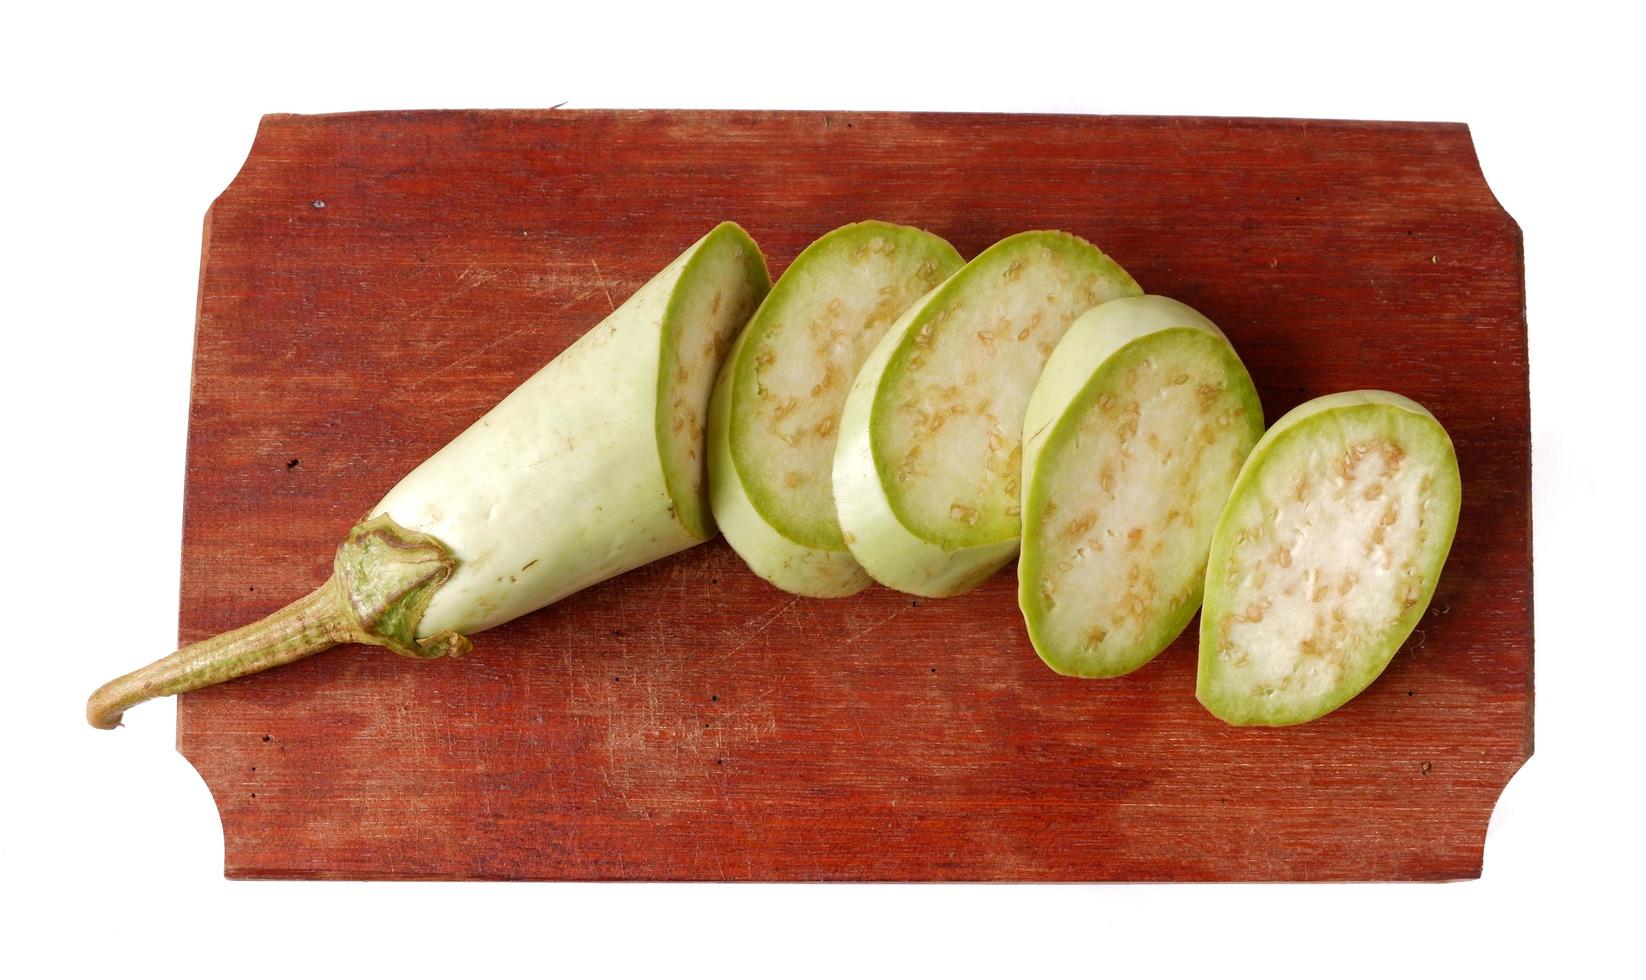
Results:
<point x="260" y="140"/>
<point x="183" y="747"/>
<point x="1496" y="799"/>
<point x="1478" y="171"/>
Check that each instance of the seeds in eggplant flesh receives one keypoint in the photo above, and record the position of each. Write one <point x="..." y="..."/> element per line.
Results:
<point x="927" y="470"/>
<point x="776" y="409"/>
<point x="1325" y="557"/>
<point x="1134" y="436"/>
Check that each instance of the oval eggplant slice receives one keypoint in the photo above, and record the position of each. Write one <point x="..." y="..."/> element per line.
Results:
<point x="928" y="467"/>
<point x="1133" y="438"/>
<point x="776" y="408"/>
<point x="1325" y="557"/>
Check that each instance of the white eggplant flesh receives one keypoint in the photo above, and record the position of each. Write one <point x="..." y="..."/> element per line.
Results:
<point x="776" y="407"/>
<point x="927" y="468"/>
<point x="1325" y="556"/>
<point x="1132" y="439"/>
<point x="595" y="465"/>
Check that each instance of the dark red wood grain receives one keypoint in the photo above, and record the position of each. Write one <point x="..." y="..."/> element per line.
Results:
<point x="372" y="283"/>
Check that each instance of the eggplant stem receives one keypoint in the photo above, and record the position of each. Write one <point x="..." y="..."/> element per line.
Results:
<point x="382" y="580"/>
<point x="316" y="622"/>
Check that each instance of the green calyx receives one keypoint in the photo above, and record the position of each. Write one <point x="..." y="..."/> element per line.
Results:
<point x="387" y="575"/>
<point x="383" y="579"/>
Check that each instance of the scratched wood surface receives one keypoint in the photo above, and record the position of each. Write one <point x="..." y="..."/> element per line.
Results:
<point x="371" y="283"/>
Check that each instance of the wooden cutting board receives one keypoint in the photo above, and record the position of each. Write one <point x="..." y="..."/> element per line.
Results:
<point x="372" y="283"/>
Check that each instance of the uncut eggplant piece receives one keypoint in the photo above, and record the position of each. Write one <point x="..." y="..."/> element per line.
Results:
<point x="927" y="469"/>
<point x="1325" y="556"/>
<point x="1133" y="438"/>
<point x="595" y="465"/>
<point x="776" y="408"/>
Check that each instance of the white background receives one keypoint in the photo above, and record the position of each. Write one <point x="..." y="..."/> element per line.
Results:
<point x="122" y="124"/>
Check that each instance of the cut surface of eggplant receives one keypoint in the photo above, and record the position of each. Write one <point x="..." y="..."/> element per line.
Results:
<point x="927" y="470"/>
<point x="1133" y="437"/>
<point x="1325" y="556"/>
<point x="776" y="408"/>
